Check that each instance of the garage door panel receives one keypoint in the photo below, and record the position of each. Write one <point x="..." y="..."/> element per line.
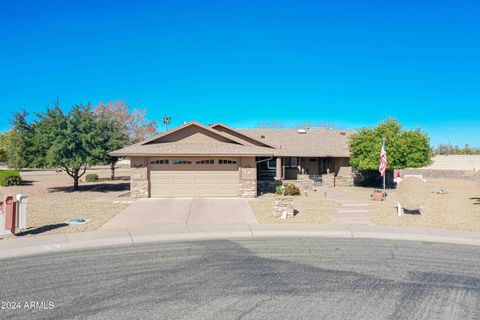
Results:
<point x="199" y="181"/>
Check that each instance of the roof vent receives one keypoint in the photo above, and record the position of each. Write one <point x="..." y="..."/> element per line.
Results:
<point x="343" y="133"/>
<point x="302" y="131"/>
<point x="262" y="137"/>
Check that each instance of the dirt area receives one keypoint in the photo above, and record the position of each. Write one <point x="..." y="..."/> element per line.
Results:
<point x="458" y="208"/>
<point x="51" y="200"/>
<point x="310" y="209"/>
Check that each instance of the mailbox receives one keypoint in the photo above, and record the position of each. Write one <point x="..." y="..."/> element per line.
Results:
<point x="9" y="214"/>
<point x="21" y="218"/>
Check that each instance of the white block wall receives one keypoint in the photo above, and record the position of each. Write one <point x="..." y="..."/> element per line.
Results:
<point x="456" y="162"/>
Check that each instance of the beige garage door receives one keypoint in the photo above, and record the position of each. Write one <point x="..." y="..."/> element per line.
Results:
<point x="194" y="178"/>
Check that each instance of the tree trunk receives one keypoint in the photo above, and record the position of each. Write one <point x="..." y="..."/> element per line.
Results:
<point x="75" y="183"/>
<point x="112" y="167"/>
<point x="75" y="179"/>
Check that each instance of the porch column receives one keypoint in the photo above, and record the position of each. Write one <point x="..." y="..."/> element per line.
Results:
<point x="278" y="169"/>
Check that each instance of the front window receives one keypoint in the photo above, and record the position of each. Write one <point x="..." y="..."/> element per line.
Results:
<point x="291" y="162"/>
<point x="272" y="164"/>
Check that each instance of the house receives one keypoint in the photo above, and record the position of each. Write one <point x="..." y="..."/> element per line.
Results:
<point x="194" y="160"/>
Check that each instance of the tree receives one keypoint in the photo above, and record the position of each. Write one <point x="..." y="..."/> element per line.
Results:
<point x="136" y="126"/>
<point x="22" y="153"/>
<point x="446" y="149"/>
<point x="405" y="148"/>
<point x="5" y="145"/>
<point x="77" y="145"/>
<point x="113" y="137"/>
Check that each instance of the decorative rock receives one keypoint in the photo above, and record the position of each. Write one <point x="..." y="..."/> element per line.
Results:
<point x="282" y="206"/>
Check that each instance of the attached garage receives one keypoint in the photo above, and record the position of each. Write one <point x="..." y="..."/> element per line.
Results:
<point x="194" y="177"/>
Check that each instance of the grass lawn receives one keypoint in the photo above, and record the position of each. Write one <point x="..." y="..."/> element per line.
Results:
<point x="51" y="201"/>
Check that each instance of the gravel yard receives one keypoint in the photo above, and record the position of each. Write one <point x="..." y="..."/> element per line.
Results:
<point x="311" y="209"/>
<point x="458" y="208"/>
<point x="51" y="201"/>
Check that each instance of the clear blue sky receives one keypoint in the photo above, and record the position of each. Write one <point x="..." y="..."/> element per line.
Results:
<point x="351" y="63"/>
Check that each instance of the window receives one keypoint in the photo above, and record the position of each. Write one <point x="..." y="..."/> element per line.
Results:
<point x="290" y="162"/>
<point x="272" y="163"/>
<point x="207" y="161"/>
<point x="224" y="161"/>
<point x="181" y="162"/>
<point x="163" y="161"/>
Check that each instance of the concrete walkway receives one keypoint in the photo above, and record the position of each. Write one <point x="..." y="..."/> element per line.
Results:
<point x="148" y="213"/>
<point x="352" y="209"/>
<point x="82" y="240"/>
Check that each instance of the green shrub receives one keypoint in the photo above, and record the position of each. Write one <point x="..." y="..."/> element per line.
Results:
<point x="290" y="190"/>
<point x="9" y="178"/>
<point x="91" y="177"/>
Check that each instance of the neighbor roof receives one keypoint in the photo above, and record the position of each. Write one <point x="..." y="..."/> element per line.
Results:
<point x="245" y="142"/>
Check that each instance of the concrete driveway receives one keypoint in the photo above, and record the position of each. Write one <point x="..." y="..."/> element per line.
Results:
<point x="147" y="213"/>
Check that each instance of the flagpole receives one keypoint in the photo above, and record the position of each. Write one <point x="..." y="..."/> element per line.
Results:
<point x="384" y="193"/>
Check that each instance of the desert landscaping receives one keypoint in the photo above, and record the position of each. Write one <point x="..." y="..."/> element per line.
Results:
<point x="450" y="204"/>
<point x="51" y="200"/>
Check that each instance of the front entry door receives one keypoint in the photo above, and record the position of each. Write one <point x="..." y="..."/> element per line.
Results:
<point x="312" y="166"/>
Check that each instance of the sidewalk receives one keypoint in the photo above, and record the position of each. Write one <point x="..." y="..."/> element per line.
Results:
<point x="178" y="232"/>
<point x="352" y="209"/>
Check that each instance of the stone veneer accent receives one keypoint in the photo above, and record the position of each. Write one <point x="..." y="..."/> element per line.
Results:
<point x="328" y="180"/>
<point x="248" y="178"/>
<point x="139" y="177"/>
<point x="282" y="205"/>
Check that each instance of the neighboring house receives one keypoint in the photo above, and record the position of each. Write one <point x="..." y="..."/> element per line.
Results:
<point x="194" y="160"/>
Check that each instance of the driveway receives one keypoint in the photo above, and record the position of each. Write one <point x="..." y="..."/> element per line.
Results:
<point x="145" y="213"/>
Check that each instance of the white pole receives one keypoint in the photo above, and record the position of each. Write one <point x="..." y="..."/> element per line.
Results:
<point x="384" y="193"/>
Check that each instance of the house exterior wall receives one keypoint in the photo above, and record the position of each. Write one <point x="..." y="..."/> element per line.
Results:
<point x="139" y="184"/>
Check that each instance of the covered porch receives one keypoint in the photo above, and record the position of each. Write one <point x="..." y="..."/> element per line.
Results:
<point x="290" y="168"/>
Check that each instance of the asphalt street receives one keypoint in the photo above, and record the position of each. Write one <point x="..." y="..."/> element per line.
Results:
<point x="277" y="278"/>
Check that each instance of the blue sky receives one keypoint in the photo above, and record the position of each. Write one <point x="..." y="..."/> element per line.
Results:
<point x="350" y="63"/>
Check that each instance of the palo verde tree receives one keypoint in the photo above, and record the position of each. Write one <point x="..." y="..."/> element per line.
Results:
<point x="405" y="148"/>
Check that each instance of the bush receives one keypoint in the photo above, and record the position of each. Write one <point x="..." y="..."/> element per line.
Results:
<point x="91" y="177"/>
<point x="290" y="190"/>
<point x="9" y="178"/>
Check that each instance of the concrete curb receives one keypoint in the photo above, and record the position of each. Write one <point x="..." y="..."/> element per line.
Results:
<point x="175" y="232"/>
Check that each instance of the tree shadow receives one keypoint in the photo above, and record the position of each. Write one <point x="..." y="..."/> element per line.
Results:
<point x="27" y="182"/>
<point x="42" y="229"/>
<point x="94" y="187"/>
<point x="476" y="200"/>
<point x="120" y="178"/>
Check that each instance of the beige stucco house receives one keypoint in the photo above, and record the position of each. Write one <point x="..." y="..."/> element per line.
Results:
<point x="194" y="160"/>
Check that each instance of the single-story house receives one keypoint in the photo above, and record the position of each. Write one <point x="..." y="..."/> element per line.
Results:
<point x="194" y="160"/>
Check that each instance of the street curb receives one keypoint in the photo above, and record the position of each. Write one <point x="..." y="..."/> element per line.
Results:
<point x="64" y="242"/>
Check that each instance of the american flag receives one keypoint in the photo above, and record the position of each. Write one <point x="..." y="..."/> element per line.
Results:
<point x="383" y="160"/>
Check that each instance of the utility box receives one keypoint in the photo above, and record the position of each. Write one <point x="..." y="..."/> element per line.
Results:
<point x="21" y="218"/>
<point x="9" y="214"/>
